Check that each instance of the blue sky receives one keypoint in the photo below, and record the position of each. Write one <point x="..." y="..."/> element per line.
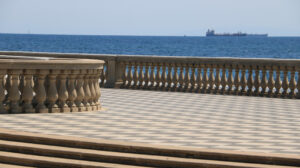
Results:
<point x="150" y="17"/>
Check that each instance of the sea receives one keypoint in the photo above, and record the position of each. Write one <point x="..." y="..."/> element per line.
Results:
<point x="244" y="47"/>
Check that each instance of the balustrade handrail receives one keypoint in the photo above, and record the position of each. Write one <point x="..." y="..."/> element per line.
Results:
<point x="239" y="76"/>
<point x="49" y="85"/>
<point x="163" y="59"/>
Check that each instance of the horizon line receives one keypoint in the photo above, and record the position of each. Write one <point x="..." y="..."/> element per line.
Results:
<point x="184" y="35"/>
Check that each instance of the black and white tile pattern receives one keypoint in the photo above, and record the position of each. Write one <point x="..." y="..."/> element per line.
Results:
<point x="183" y="119"/>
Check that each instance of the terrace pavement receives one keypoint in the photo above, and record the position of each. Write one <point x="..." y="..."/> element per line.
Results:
<point x="240" y="123"/>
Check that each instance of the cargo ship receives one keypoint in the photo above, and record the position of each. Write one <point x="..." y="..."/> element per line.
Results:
<point x="211" y="33"/>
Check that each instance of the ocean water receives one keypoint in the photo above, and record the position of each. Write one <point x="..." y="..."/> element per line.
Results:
<point x="253" y="47"/>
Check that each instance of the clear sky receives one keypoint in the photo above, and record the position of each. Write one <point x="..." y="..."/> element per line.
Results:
<point x="150" y="17"/>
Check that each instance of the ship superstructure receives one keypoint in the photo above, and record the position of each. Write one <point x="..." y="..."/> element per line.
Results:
<point x="211" y="32"/>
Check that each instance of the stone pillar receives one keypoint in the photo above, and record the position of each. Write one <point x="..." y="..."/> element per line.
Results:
<point x="271" y="82"/>
<point x="80" y="91"/>
<point x="292" y="84"/>
<point x="72" y="90"/>
<point x="92" y="89"/>
<point x="52" y="94"/>
<point x="62" y="91"/>
<point x="2" y="92"/>
<point x="13" y="92"/>
<point x="87" y="91"/>
<point x="119" y="72"/>
<point x="41" y="92"/>
<point x="27" y="91"/>
<point x="111" y="73"/>
<point x="97" y="88"/>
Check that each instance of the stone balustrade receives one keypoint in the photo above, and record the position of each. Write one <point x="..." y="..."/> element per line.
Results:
<point x="234" y="76"/>
<point x="49" y="85"/>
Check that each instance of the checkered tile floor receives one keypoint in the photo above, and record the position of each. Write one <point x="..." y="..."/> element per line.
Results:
<point x="183" y="119"/>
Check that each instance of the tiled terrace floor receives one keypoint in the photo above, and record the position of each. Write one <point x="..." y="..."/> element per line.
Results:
<point x="183" y="119"/>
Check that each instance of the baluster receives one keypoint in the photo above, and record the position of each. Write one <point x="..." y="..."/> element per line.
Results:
<point x="271" y="82"/>
<point x="72" y="91"/>
<point x="164" y="76"/>
<point x="97" y="89"/>
<point x="278" y="82"/>
<point x="102" y="77"/>
<point x="205" y="79"/>
<point x="124" y="75"/>
<point x="152" y="76"/>
<point x="292" y="84"/>
<point x="92" y="89"/>
<point x="129" y="75"/>
<point x="193" y="77"/>
<point x="158" y="76"/>
<point x="257" y="81"/>
<point x="141" y="75"/>
<point x="2" y="92"/>
<point x="105" y="72"/>
<point x="13" y="92"/>
<point x="27" y="91"/>
<point x="199" y="78"/>
<point x="87" y="91"/>
<point x="62" y="91"/>
<point x="217" y="79"/>
<point x="186" y="77"/>
<point x="80" y="91"/>
<point x="40" y="97"/>
<point x="147" y="75"/>
<point x="211" y="78"/>
<point x="264" y="82"/>
<point x="175" y="77"/>
<point x="52" y="94"/>
<point x="21" y="85"/>
<point x="243" y="82"/>
<point x="250" y="80"/>
<point x="169" y="77"/>
<point x="237" y="80"/>
<point x="285" y="82"/>
<point x="230" y="79"/>
<point x="298" y="85"/>
<point x="135" y="75"/>
<point x="223" y="79"/>
<point x="181" y="77"/>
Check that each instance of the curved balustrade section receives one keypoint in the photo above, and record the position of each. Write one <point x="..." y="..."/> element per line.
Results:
<point x="278" y="78"/>
<point x="49" y="85"/>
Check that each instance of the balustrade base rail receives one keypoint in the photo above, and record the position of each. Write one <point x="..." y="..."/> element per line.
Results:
<point x="278" y="78"/>
<point x="52" y="85"/>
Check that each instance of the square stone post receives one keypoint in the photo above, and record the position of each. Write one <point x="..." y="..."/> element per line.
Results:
<point x="115" y="70"/>
<point x="111" y="70"/>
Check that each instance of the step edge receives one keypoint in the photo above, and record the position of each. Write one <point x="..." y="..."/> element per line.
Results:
<point x="206" y="163"/>
<point x="77" y="141"/>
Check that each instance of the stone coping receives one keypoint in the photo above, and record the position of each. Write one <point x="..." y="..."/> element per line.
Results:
<point x="163" y="59"/>
<point x="50" y="63"/>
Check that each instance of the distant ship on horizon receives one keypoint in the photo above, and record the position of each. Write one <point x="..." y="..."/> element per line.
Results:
<point x="211" y="33"/>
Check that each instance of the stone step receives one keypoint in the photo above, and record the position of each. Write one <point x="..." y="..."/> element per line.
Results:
<point x="12" y="166"/>
<point x="113" y="157"/>
<point x="38" y="155"/>
<point x="139" y="148"/>
<point x="50" y="162"/>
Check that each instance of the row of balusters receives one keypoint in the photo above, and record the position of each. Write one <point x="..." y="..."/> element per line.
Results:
<point x="272" y="81"/>
<point x="42" y="91"/>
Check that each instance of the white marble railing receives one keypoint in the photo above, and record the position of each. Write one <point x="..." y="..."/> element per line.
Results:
<point x="235" y="76"/>
<point x="51" y="85"/>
